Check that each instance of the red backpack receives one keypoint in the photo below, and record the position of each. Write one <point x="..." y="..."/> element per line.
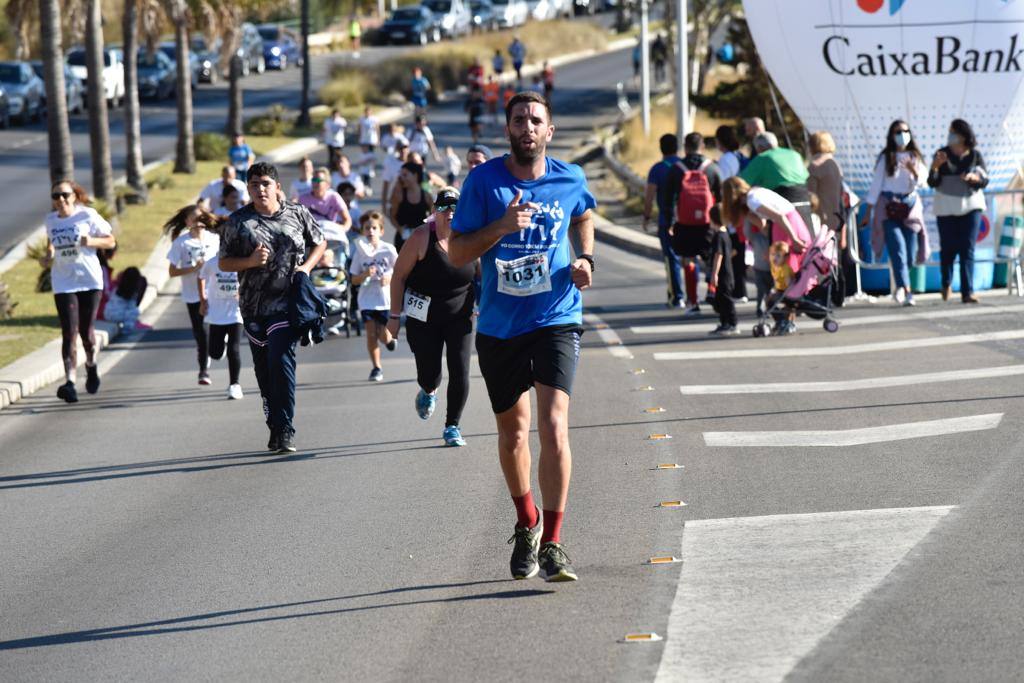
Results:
<point x="695" y="197"/>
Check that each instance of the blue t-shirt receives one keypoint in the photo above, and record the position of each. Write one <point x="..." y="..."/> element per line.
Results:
<point x="657" y="176"/>
<point x="526" y="280"/>
<point x="240" y="156"/>
<point x="420" y="86"/>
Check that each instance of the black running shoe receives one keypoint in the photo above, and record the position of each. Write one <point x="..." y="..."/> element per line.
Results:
<point x="274" y="442"/>
<point x="92" y="381"/>
<point x="67" y="392"/>
<point x="284" y="442"/>
<point x="524" y="553"/>
<point x="555" y="564"/>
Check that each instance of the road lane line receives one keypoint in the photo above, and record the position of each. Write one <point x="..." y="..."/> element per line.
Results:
<point x="854" y="437"/>
<point x="771" y="351"/>
<point x="853" y="384"/>
<point x="609" y="336"/>
<point x="852" y="321"/>
<point x="757" y="594"/>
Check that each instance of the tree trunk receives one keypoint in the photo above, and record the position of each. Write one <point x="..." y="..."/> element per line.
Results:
<point x="62" y="162"/>
<point x="185" y="154"/>
<point x="234" y="124"/>
<point x="99" y="130"/>
<point x="304" y="106"/>
<point x="132" y="124"/>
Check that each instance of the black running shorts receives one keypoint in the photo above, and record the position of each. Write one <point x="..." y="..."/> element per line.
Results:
<point x="692" y="241"/>
<point x="547" y="356"/>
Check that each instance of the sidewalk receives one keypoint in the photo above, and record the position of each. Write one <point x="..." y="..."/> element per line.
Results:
<point x="42" y="367"/>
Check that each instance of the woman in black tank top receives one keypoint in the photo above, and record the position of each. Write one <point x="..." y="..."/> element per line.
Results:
<point x="437" y="300"/>
<point x="410" y="205"/>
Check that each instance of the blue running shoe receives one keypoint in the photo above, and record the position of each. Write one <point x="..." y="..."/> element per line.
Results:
<point x="452" y="436"/>
<point x="425" y="404"/>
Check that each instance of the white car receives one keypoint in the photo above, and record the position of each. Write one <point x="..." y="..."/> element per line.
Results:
<point x="113" y="73"/>
<point x="510" y="13"/>
<point x="541" y="9"/>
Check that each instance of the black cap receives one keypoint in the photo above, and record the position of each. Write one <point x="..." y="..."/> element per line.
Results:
<point x="448" y="196"/>
<point x="483" y="149"/>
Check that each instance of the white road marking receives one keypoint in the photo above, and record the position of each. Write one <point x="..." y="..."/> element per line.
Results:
<point x="903" y="317"/>
<point x="609" y="336"/>
<point x="771" y="349"/>
<point x="854" y="384"/>
<point x="854" y="437"/>
<point x="757" y="594"/>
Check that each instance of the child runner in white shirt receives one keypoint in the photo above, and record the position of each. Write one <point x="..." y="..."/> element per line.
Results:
<point x="452" y="164"/>
<point x="372" y="265"/>
<point x="219" y="305"/>
<point x="193" y="245"/>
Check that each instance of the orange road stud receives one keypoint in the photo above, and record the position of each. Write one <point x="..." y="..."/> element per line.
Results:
<point x="652" y="411"/>
<point x="659" y="437"/>
<point x="647" y="388"/>
<point x="641" y="638"/>
<point x="671" y="504"/>
<point x="666" y="559"/>
<point x="668" y="466"/>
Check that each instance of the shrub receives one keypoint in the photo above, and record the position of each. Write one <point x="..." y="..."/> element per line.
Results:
<point x="277" y="122"/>
<point x="350" y="89"/>
<point x="163" y="181"/>
<point x="6" y="303"/>
<point x="211" y="146"/>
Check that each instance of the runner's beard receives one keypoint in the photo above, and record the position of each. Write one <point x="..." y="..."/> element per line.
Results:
<point x="525" y="156"/>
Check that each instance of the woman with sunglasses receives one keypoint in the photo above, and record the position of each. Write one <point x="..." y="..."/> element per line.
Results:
<point x="74" y="231"/>
<point x="437" y="300"/>
<point x="897" y="218"/>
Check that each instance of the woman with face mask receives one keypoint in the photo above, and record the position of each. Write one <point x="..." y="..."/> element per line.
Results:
<point x="959" y="177"/>
<point x="894" y="208"/>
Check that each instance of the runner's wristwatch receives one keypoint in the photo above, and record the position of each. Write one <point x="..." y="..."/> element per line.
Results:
<point x="589" y="258"/>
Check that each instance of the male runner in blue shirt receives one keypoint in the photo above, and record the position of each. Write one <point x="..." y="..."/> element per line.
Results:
<point x="514" y="215"/>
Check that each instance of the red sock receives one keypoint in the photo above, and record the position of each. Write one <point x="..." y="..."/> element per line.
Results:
<point x="552" y="527"/>
<point x="526" y="511"/>
<point x="690" y="276"/>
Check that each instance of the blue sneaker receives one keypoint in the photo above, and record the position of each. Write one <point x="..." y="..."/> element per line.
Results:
<point x="425" y="404"/>
<point x="452" y="436"/>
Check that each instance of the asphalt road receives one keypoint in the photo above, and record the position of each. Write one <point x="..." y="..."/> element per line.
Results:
<point x="148" y="536"/>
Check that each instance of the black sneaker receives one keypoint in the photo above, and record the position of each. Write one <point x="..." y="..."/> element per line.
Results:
<point x="524" y="553"/>
<point x="92" y="381"/>
<point x="274" y="442"/>
<point x="555" y="564"/>
<point x="67" y="392"/>
<point x="284" y="442"/>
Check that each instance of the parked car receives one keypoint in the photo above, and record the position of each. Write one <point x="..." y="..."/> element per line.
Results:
<point x="208" y="57"/>
<point x="251" y="50"/>
<point x="74" y="91"/>
<point x="113" y="73"/>
<point x="415" y="24"/>
<point x="26" y="95"/>
<point x="511" y="13"/>
<point x="170" y="50"/>
<point x="158" y="76"/>
<point x="281" y="47"/>
<point x="452" y="16"/>
<point x="541" y="10"/>
<point x="483" y="16"/>
<point x="5" y="111"/>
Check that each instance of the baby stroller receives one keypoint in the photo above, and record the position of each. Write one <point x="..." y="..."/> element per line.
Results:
<point x="811" y="291"/>
<point x="331" y="279"/>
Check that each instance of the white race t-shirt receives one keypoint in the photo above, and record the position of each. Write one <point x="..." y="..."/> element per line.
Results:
<point x="373" y="296"/>
<point x="419" y="141"/>
<point x="221" y="294"/>
<point x="75" y="268"/>
<point x="760" y="197"/>
<point x="368" y="130"/>
<point x="334" y="132"/>
<point x="353" y="178"/>
<point x="214" y="191"/>
<point x="392" y="165"/>
<point x="185" y="252"/>
<point x="299" y="188"/>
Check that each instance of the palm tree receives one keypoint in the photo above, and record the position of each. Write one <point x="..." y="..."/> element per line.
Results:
<point x="132" y="123"/>
<point x="185" y="155"/>
<point x="99" y="134"/>
<point x="62" y="162"/>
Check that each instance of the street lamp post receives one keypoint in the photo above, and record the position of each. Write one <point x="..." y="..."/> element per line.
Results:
<point x="304" y="106"/>
<point x="645" y="70"/>
<point x="682" y="57"/>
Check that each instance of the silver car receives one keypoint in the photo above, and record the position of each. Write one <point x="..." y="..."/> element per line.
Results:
<point x="26" y="95"/>
<point x="74" y="89"/>
<point x="510" y="13"/>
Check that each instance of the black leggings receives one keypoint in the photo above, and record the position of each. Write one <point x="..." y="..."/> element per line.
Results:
<point x="196" y="318"/>
<point x="77" y="314"/>
<point x="426" y="341"/>
<point x="226" y="338"/>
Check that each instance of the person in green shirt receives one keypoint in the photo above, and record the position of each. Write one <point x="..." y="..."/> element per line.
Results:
<point x="774" y="166"/>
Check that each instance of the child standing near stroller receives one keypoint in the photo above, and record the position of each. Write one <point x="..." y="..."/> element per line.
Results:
<point x="722" y="278"/>
<point x="782" y="277"/>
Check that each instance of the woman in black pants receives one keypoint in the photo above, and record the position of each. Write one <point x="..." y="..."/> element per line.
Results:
<point x="192" y="246"/>
<point x="74" y="231"/>
<point x="437" y="299"/>
<point x="959" y="177"/>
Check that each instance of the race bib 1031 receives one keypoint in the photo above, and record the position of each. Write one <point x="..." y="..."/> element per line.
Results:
<point x="524" y="276"/>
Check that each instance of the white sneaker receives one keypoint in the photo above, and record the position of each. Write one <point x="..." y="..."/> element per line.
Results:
<point x="691" y="311"/>
<point x="898" y="296"/>
<point x="235" y="392"/>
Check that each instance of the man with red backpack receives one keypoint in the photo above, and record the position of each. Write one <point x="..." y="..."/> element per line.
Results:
<point x="696" y="186"/>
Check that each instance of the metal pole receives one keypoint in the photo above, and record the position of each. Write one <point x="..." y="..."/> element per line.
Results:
<point x="682" y="56"/>
<point x="304" y="106"/>
<point x="645" y="70"/>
